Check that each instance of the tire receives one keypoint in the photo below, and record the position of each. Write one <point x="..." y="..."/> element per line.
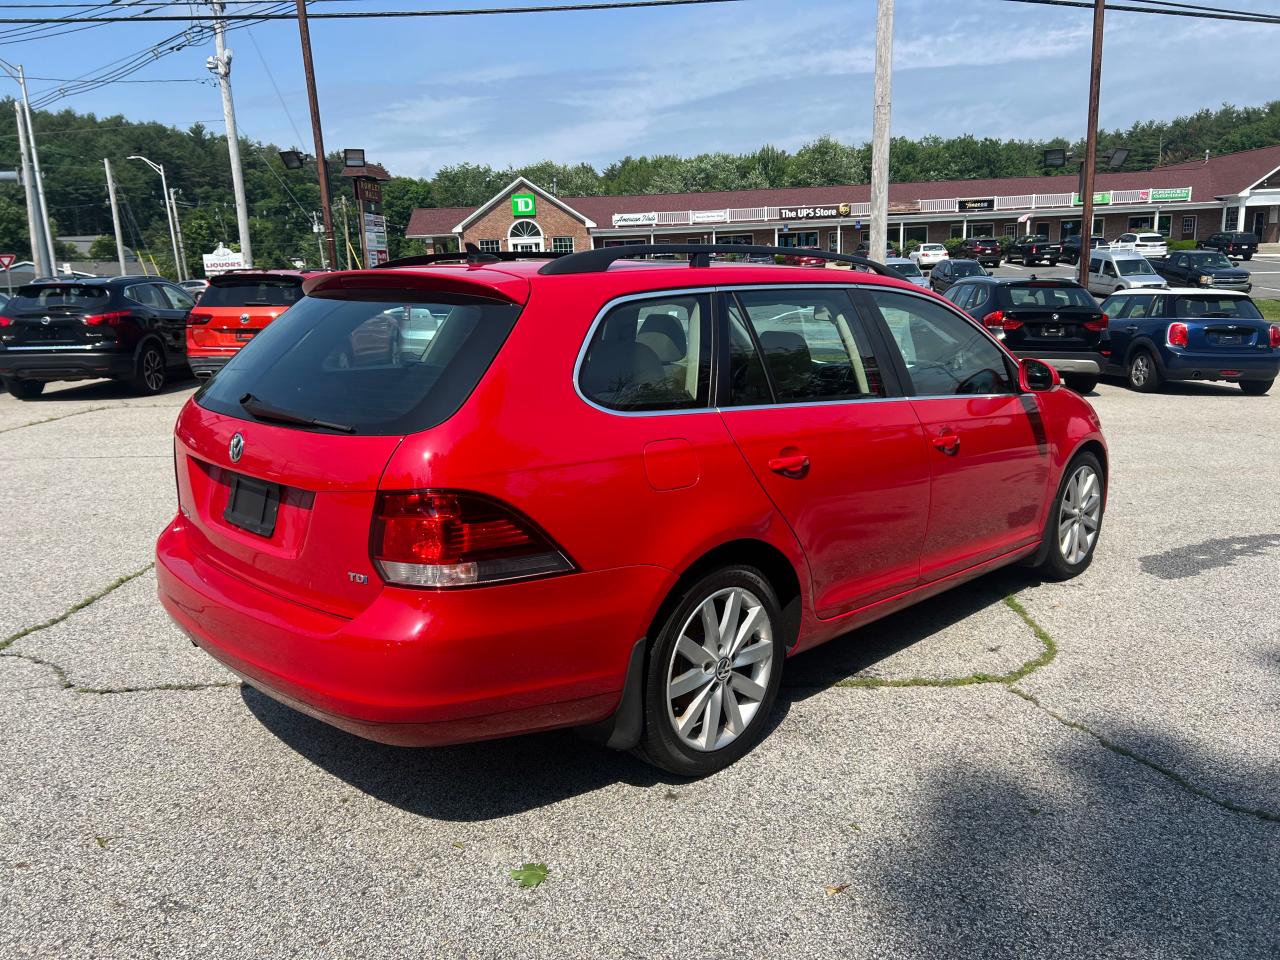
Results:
<point x="677" y="728"/>
<point x="1255" y="388"/>
<point x="149" y="374"/>
<point x="1143" y="372"/>
<point x="1246" y="256"/>
<point x="1074" y="523"/>
<point x="24" y="389"/>
<point x="1081" y="384"/>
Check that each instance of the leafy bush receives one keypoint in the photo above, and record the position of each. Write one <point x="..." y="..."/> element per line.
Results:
<point x="953" y="245"/>
<point x="1182" y="244"/>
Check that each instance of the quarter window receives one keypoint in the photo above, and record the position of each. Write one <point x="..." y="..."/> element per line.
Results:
<point x="945" y="354"/>
<point x="562" y="244"/>
<point x="177" y="297"/>
<point x="813" y="346"/>
<point x="652" y="354"/>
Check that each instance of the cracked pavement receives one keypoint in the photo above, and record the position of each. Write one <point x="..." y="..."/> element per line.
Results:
<point x="1088" y="769"/>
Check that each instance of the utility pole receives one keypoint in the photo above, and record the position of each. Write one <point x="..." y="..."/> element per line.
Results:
<point x="1091" y="145"/>
<point x="43" y="219"/>
<point x="220" y="65"/>
<point x="878" y="246"/>
<point x="115" y="215"/>
<point x="177" y="228"/>
<point x="39" y="255"/>
<point x="322" y="166"/>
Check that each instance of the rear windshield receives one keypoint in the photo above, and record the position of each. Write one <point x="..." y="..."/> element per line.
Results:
<point x="253" y="292"/>
<point x="1210" y="307"/>
<point x="43" y="296"/>
<point x="1244" y="238"/>
<point x="381" y="365"/>
<point x="967" y="268"/>
<point x="1054" y="297"/>
<point x="1150" y="238"/>
<point x="907" y="268"/>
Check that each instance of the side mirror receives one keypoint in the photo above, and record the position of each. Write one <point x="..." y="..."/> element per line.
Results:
<point x="1036" y="376"/>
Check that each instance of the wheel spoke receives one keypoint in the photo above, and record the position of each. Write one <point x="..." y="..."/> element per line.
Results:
<point x="733" y="715"/>
<point x="753" y="654"/>
<point x="747" y="687"/>
<point x="1090" y="523"/>
<point x="688" y="682"/>
<point x="691" y="651"/>
<point x="697" y="706"/>
<point x="710" y="628"/>
<point x="729" y="621"/>
<point x="711" y="719"/>
<point x="746" y="631"/>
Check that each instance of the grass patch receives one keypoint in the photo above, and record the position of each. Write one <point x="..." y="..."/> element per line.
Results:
<point x="1270" y="308"/>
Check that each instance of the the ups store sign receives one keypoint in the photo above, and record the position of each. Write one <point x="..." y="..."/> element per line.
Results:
<point x="809" y="213"/>
<point x="976" y="204"/>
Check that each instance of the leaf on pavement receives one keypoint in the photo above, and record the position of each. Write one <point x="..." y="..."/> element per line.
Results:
<point x="833" y="889"/>
<point x="530" y="874"/>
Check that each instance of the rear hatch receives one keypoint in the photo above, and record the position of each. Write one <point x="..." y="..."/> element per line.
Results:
<point x="1222" y="324"/>
<point x="1050" y="315"/>
<point x="56" y="315"/>
<point x="236" y="307"/>
<point x="320" y="402"/>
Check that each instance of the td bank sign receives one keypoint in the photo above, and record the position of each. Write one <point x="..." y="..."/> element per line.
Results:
<point x="523" y="205"/>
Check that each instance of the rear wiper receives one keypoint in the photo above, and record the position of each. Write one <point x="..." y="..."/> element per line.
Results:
<point x="265" y="412"/>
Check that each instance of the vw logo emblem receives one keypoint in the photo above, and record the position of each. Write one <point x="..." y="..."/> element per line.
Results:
<point x="1055" y="316"/>
<point x="244" y="318"/>
<point x="236" y="448"/>
<point x="44" y="321"/>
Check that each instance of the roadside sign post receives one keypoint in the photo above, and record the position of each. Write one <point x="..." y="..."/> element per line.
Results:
<point x="6" y="262"/>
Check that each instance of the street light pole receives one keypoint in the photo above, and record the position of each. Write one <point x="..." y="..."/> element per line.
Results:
<point x="173" y="230"/>
<point x="39" y="177"/>
<point x="1091" y="145"/>
<point x="38" y="253"/>
<point x="221" y="66"/>
<point x="880" y="127"/>
<point x="322" y="167"/>
<point x="177" y="228"/>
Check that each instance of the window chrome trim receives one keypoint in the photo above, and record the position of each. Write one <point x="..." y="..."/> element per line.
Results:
<point x="840" y="284"/>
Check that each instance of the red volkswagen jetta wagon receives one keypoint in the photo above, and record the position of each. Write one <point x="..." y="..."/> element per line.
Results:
<point x="441" y="502"/>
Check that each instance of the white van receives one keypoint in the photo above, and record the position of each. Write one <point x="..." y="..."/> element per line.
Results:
<point x="1112" y="270"/>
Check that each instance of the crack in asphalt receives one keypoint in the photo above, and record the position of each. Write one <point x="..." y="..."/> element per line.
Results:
<point x="1007" y="680"/>
<point x="61" y="416"/>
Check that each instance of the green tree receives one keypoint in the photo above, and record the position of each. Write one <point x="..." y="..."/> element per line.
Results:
<point x="102" y="248"/>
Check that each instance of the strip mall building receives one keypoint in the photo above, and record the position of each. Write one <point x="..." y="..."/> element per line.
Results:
<point x="1186" y="201"/>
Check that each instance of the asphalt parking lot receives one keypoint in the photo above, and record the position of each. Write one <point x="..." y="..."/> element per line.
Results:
<point x="1088" y="769"/>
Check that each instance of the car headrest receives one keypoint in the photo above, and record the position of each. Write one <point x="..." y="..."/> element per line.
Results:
<point x="664" y="335"/>
<point x="618" y="372"/>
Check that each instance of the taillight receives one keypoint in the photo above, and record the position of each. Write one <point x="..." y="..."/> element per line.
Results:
<point x="1275" y="335"/>
<point x="1177" y="335"/>
<point x="199" y="319"/>
<point x="6" y="321"/>
<point x="437" y="538"/>
<point x="997" y="320"/>
<point x="1097" y="325"/>
<point x="113" y="319"/>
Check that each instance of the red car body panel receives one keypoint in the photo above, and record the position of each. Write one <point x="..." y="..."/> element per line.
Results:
<point x="881" y="518"/>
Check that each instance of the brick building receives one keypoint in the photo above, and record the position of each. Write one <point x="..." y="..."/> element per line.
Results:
<point x="1186" y="201"/>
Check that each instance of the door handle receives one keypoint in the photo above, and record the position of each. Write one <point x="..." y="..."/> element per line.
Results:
<point x="1132" y="328"/>
<point x="948" y="443"/>
<point x="793" y="466"/>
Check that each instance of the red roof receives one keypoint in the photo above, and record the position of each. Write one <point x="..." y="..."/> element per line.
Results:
<point x="1224" y="175"/>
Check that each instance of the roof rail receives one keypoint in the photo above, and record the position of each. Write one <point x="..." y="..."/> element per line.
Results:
<point x="473" y="256"/>
<point x="598" y="261"/>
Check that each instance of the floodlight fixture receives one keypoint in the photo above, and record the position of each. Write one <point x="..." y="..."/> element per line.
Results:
<point x="353" y="157"/>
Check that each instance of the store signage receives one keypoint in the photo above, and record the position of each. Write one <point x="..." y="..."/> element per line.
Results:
<point x="977" y="203"/>
<point x="708" y="216"/>
<point x="634" y="219"/>
<point x="221" y="260"/>
<point x="811" y="213"/>
<point x="523" y="205"/>
<point x="369" y="191"/>
<point x="1099" y="199"/>
<point x="375" y="239"/>
<point x="1170" y="194"/>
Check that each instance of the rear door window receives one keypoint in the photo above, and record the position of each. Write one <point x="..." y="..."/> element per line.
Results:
<point x="651" y="354"/>
<point x="813" y="345"/>
<point x="253" y="292"/>
<point x="945" y="354"/>
<point x="147" y="294"/>
<point x="365" y="364"/>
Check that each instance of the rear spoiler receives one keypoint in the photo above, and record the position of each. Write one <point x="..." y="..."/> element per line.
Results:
<point x="470" y="282"/>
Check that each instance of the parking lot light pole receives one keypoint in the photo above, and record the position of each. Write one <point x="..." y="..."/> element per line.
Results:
<point x="173" y="232"/>
<point x="1090" y="146"/>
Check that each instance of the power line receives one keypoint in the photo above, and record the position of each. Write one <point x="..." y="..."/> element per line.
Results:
<point x="206" y="82"/>
<point x="1239" y="16"/>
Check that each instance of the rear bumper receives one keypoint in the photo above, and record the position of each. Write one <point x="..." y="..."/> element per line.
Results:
<point x="74" y="364"/>
<point x="1089" y="364"/>
<point x="423" y="668"/>
<point x="1218" y="366"/>
<point x="206" y="367"/>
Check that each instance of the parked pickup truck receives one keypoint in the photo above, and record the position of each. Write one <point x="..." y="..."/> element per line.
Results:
<point x="1032" y="249"/>
<point x="1190" y="334"/>
<point x="1201" y="268"/>
<point x="1232" y="243"/>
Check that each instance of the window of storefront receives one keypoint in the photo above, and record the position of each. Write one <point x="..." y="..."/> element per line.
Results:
<point x="1164" y="224"/>
<point x="804" y="238"/>
<point x="919" y="233"/>
<point x="524" y="235"/>
<point x="1069" y="228"/>
<point x="833" y="240"/>
<point x="957" y="231"/>
<point x="1139" y="223"/>
<point x="1099" y="226"/>
<point x="625" y="241"/>
<point x="1009" y="230"/>
<point x="562" y="244"/>
<point x="1231" y="218"/>
<point x="1188" y="228"/>
<point x="742" y="238"/>
<point x="489" y="246"/>
<point x="982" y="229"/>
<point x="1042" y="229"/>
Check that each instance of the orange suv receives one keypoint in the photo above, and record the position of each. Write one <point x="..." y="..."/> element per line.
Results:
<point x="233" y="310"/>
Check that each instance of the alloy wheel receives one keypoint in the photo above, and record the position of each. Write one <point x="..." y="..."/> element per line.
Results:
<point x="719" y="671"/>
<point x="153" y="370"/>
<point x="1140" y="370"/>
<point x="1080" y="514"/>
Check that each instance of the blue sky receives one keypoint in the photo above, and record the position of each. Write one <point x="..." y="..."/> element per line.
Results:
<point x="595" y="86"/>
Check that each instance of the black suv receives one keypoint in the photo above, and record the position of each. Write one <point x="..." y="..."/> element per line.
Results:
<point x="947" y="272"/>
<point x="1233" y="244"/>
<point x="986" y="250"/>
<point x="1032" y="249"/>
<point x="1056" y="321"/>
<point x="128" y="328"/>
<point x="1070" y="250"/>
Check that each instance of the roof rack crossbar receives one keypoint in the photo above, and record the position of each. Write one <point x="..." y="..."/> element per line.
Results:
<point x="598" y="261"/>
<point x="472" y="255"/>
